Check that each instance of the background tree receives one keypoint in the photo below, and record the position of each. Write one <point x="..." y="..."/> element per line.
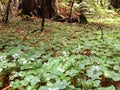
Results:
<point x="34" y="7"/>
<point x="6" y="15"/>
<point x="115" y="3"/>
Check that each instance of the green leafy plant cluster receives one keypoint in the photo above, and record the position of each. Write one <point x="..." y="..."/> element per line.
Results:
<point x="66" y="58"/>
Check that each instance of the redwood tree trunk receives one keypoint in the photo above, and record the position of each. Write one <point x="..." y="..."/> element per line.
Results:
<point x="49" y="8"/>
<point x="34" y="7"/>
<point x="115" y="3"/>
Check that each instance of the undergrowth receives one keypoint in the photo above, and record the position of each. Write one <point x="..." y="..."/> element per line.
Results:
<point x="63" y="57"/>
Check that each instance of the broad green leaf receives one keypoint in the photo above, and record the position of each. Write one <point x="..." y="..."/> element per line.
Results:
<point x="61" y="84"/>
<point x="94" y="72"/>
<point x="24" y="82"/>
<point x="96" y="83"/>
<point x="89" y="82"/>
<point x="34" y="80"/>
<point x="117" y="67"/>
<point x="71" y="72"/>
<point x="30" y="87"/>
<point x="107" y="88"/>
<point x="113" y="75"/>
<point x="15" y="84"/>
<point x="53" y="88"/>
<point x="43" y="88"/>
<point x="29" y="77"/>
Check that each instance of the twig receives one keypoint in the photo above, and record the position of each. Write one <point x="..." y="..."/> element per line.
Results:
<point x="43" y="16"/>
<point x="6" y="88"/>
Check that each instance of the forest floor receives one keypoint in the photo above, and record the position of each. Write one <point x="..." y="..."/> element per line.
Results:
<point x="59" y="46"/>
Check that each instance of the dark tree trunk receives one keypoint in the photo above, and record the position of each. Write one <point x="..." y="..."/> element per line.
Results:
<point x="27" y="7"/>
<point x="34" y="7"/>
<point x="49" y="8"/>
<point x="80" y="1"/>
<point x="83" y="19"/>
<point x="115" y="3"/>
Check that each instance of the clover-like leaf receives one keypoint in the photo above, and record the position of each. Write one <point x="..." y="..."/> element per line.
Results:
<point x="107" y="88"/>
<point x="43" y="88"/>
<point x="96" y="83"/>
<point x="61" y="84"/>
<point x="94" y="72"/>
<point x="24" y="82"/>
<point x="34" y="80"/>
<point x="113" y="75"/>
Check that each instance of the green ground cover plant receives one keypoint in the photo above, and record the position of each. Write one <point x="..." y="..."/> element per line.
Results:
<point x="63" y="57"/>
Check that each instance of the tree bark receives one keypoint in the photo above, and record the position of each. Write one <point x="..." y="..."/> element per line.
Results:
<point x="35" y="7"/>
<point x="83" y="19"/>
<point x="6" y="15"/>
<point x="115" y="3"/>
<point x="49" y="8"/>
